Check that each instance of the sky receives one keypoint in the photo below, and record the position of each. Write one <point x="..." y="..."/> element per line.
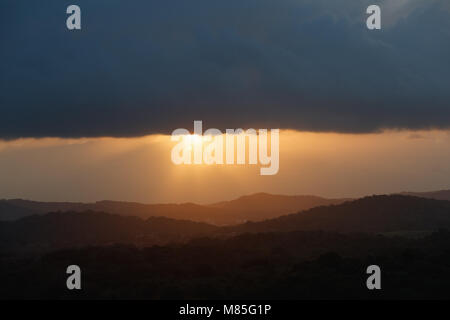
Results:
<point x="142" y="67"/>
<point x="140" y="169"/>
<point x="85" y="115"/>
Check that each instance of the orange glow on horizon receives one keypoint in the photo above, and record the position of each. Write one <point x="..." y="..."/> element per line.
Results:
<point x="140" y="169"/>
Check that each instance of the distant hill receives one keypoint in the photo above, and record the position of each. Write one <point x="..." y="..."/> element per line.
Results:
<point x="187" y="211"/>
<point x="9" y="211"/>
<point x="255" y="207"/>
<point x="385" y="213"/>
<point x="71" y="229"/>
<point x="376" y="214"/>
<point x="437" y="195"/>
<point x="262" y="206"/>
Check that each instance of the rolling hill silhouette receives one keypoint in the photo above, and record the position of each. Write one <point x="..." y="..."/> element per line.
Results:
<point x="437" y="195"/>
<point x="10" y="211"/>
<point x="255" y="207"/>
<point x="384" y="213"/>
<point x="72" y="229"/>
<point x="317" y="253"/>
<point x="375" y="214"/>
<point x="262" y="206"/>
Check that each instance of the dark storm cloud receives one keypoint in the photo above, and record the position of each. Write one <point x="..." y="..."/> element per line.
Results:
<point x="140" y="67"/>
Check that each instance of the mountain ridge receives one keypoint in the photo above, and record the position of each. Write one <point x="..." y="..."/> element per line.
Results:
<point x="437" y="195"/>
<point x="255" y="207"/>
<point x="373" y="214"/>
<point x="378" y="213"/>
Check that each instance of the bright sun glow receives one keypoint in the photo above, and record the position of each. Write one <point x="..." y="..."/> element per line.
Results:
<point x="195" y="139"/>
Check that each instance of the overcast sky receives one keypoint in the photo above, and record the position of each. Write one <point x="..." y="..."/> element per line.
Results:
<point x="141" y="67"/>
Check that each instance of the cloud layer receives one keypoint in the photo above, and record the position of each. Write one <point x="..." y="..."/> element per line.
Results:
<point x="143" y="67"/>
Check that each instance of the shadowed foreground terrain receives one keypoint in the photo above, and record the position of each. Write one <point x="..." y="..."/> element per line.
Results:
<point x="318" y="253"/>
<point x="296" y="265"/>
